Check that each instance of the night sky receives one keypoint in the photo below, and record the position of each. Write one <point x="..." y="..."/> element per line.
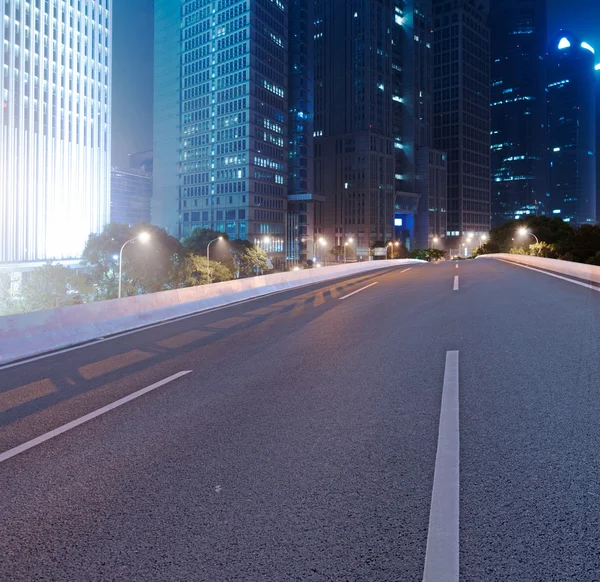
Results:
<point x="132" y="64"/>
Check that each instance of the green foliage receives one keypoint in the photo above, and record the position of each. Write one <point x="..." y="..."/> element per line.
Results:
<point x="595" y="260"/>
<point x="582" y="244"/>
<point x="197" y="271"/>
<point x="147" y="267"/>
<point x="544" y="249"/>
<point x="198" y="241"/>
<point x="427" y="254"/>
<point x="52" y="286"/>
<point x="8" y="303"/>
<point x="553" y="231"/>
<point x="252" y="260"/>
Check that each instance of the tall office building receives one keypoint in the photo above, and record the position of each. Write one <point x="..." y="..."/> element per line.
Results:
<point x="305" y="208"/>
<point x="461" y="116"/>
<point x="365" y="122"/>
<point x="55" y="123"/>
<point x="221" y="118"/>
<point x="130" y="196"/>
<point x="519" y="114"/>
<point x="430" y="165"/>
<point x="572" y="129"/>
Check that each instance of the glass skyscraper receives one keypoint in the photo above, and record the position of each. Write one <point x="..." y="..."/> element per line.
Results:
<point x="572" y="129"/>
<point x="462" y="113"/>
<point x="365" y="120"/>
<point x="221" y="118"/>
<point x="519" y="113"/>
<point x="55" y="88"/>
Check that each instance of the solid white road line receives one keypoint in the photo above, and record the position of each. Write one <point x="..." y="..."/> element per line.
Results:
<point x="74" y="423"/>
<point x="358" y="291"/>
<point x="456" y="283"/>
<point x="442" y="554"/>
<point x="580" y="283"/>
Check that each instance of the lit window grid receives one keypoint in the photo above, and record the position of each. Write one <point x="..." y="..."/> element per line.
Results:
<point x="226" y="81"/>
<point x="55" y="120"/>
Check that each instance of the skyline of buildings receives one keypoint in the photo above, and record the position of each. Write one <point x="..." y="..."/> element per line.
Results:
<point x="286" y="121"/>
<point x="55" y="120"/>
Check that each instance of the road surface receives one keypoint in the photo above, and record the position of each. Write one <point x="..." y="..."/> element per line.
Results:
<point x="295" y="438"/>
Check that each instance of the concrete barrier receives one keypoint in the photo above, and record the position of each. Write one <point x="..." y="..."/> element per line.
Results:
<point x="587" y="273"/>
<point x="30" y="334"/>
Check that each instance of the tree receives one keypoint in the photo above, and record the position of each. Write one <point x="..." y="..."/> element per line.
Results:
<point x="198" y="241"/>
<point x="553" y="231"/>
<point x="198" y="271"/>
<point x="582" y="244"/>
<point x="543" y="249"/>
<point x="427" y="254"/>
<point x="595" y="260"/>
<point x="147" y="267"/>
<point x="52" y="286"/>
<point x="8" y="303"/>
<point x="253" y="260"/>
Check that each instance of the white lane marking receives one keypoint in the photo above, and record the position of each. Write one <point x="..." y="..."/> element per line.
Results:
<point x="406" y="270"/>
<point x="457" y="265"/>
<point x="580" y="283"/>
<point x="442" y="554"/>
<point x="455" y="283"/>
<point x="358" y="291"/>
<point x="74" y="423"/>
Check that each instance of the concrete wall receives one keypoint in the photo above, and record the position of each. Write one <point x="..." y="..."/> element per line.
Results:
<point x="33" y="333"/>
<point x="589" y="273"/>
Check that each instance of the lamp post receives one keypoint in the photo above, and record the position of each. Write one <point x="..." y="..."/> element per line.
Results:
<point x="142" y="237"/>
<point x="525" y="232"/>
<point x="349" y="241"/>
<point x="208" y="256"/>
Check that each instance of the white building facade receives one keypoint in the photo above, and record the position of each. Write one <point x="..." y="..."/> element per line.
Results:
<point x="55" y="84"/>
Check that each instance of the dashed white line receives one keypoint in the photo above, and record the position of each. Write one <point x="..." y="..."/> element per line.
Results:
<point x="442" y="554"/>
<point x="457" y="265"/>
<point x="77" y="422"/>
<point x="455" y="283"/>
<point x="406" y="270"/>
<point x="358" y="291"/>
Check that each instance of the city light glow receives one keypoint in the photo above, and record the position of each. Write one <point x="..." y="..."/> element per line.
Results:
<point x="564" y="43"/>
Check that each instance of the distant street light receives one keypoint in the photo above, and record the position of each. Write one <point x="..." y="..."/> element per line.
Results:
<point x="435" y="241"/>
<point x="524" y="232"/>
<point x="208" y="256"/>
<point x="142" y="237"/>
<point x="346" y="244"/>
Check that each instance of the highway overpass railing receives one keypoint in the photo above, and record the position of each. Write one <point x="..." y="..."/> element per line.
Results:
<point x="587" y="273"/>
<point x="29" y="334"/>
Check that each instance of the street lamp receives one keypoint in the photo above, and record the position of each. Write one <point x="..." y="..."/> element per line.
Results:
<point x="208" y="256"/>
<point x="142" y="237"/>
<point x="350" y="241"/>
<point x="435" y="241"/>
<point x="524" y="232"/>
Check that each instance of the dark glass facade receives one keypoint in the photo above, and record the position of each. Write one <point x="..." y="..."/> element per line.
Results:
<point x="365" y="120"/>
<point x="572" y="129"/>
<point x="461" y="116"/>
<point x="305" y="209"/>
<point x="518" y="110"/>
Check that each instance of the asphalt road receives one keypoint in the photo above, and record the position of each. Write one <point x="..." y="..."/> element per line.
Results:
<point x="303" y="442"/>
